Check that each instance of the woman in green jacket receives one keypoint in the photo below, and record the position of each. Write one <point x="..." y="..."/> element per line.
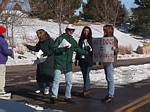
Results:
<point x="45" y="66"/>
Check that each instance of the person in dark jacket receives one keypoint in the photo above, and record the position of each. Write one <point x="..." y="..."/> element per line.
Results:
<point x="45" y="65"/>
<point x="85" y="61"/>
<point x="64" y="47"/>
<point x="109" y="67"/>
<point x="4" y="53"/>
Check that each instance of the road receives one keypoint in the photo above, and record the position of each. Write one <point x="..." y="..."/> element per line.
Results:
<point x="20" y="81"/>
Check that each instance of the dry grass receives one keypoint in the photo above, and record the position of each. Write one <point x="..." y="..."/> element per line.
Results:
<point x="145" y="49"/>
<point x="83" y="23"/>
<point x="125" y="50"/>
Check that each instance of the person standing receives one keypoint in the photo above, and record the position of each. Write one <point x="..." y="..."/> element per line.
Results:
<point x="45" y="61"/>
<point x="64" y="47"/>
<point x="4" y="53"/>
<point x="85" y="61"/>
<point x="109" y="67"/>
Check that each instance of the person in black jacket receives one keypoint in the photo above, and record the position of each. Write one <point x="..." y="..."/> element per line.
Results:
<point x="85" y="61"/>
<point x="45" y="60"/>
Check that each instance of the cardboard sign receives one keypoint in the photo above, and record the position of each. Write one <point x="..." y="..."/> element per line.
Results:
<point x="102" y="49"/>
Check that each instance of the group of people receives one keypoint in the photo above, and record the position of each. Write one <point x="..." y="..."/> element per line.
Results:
<point x="57" y="56"/>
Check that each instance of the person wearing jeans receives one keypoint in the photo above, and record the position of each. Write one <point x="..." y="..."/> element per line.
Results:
<point x="68" y="78"/>
<point x="109" y="71"/>
<point x="109" y="66"/>
<point x="64" y="46"/>
<point x="85" y="62"/>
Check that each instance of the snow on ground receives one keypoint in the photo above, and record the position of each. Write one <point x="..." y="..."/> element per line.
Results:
<point x="29" y="26"/>
<point x="26" y="31"/>
<point x="122" y="75"/>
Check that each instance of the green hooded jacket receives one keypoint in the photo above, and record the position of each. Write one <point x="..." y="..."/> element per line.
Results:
<point x="63" y="56"/>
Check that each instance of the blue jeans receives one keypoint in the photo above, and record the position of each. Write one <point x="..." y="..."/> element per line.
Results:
<point x="109" y="72"/>
<point x="56" y="81"/>
<point x="86" y="78"/>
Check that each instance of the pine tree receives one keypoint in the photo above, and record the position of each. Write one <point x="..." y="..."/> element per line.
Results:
<point x="141" y="16"/>
<point x="52" y="9"/>
<point x="109" y="11"/>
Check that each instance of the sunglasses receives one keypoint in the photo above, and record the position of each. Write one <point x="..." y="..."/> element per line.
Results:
<point x="71" y="30"/>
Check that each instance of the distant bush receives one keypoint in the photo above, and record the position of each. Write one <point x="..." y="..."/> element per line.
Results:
<point x="83" y="23"/>
<point x="145" y="49"/>
<point x="125" y="50"/>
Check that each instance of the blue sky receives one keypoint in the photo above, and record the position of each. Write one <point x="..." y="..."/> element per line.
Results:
<point x="128" y="3"/>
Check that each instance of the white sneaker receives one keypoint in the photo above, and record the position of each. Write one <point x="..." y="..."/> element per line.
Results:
<point x="46" y="91"/>
<point x="37" y="91"/>
<point x="5" y="96"/>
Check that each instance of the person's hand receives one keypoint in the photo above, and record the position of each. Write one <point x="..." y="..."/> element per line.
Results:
<point x="113" y="48"/>
<point x="66" y="48"/>
<point x="12" y="55"/>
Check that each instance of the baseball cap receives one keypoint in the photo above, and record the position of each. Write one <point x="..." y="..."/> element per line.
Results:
<point x="70" y="26"/>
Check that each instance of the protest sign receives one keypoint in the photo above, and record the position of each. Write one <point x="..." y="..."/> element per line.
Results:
<point x="102" y="49"/>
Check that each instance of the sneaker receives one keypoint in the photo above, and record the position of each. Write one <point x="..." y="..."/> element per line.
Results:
<point x="107" y="99"/>
<point x="46" y="91"/>
<point x="38" y="91"/>
<point x="69" y="100"/>
<point x="53" y="100"/>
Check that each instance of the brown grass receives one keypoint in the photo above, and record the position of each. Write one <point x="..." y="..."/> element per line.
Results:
<point x="125" y="50"/>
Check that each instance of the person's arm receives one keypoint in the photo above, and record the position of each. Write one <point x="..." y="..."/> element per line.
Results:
<point x="4" y="49"/>
<point x="116" y="50"/>
<point x="33" y="48"/>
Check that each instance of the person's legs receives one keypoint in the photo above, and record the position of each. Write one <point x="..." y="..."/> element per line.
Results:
<point x="86" y="78"/>
<point x="2" y="78"/>
<point x="109" y="71"/>
<point x="68" y="78"/>
<point x="110" y="80"/>
<point x="56" y="81"/>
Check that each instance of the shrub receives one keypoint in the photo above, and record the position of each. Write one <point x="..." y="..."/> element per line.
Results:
<point x="125" y="50"/>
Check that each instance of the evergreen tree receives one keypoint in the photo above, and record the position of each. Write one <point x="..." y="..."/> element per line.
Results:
<point x="141" y="16"/>
<point x="109" y="11"/>
<point x="53" y="9"/>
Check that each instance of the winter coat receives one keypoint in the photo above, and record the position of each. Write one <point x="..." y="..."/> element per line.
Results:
<point x="45" y="68"/>
<point x="63" y="56"/>
<point x="4" y="51"/>
<point x="87" y="59"/>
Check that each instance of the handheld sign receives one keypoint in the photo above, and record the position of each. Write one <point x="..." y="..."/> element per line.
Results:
<point x="102" y="49"/>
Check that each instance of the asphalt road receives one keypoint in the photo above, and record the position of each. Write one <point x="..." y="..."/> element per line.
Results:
<point x="135" y="97"/>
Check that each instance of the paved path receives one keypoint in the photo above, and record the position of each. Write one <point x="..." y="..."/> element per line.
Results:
<point x="130" y="98"/>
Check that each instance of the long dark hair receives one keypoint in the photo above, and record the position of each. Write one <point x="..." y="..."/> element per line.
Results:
<point x="45" y="35"/>
<point x="88" y="37"/>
